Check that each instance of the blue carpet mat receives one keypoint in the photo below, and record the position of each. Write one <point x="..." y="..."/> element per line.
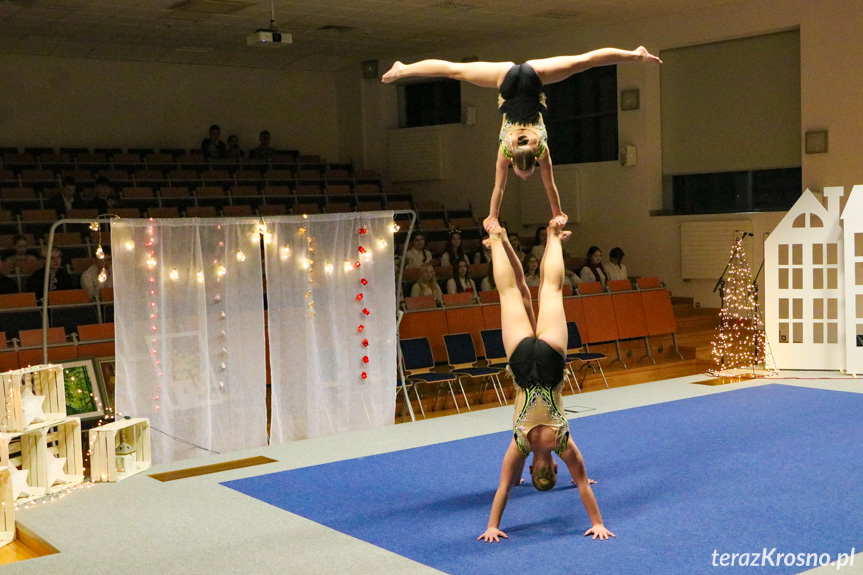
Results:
<point x="736" y="472"/>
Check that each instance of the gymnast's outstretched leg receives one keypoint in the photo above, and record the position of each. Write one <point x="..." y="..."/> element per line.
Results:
<point x="514" y="319"/>
<point x="483" y="74"/>
<point x="559" y="68"/>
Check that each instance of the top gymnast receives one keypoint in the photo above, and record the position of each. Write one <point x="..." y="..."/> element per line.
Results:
<point x="535" y="349"/>
<point x="523" y="135"/>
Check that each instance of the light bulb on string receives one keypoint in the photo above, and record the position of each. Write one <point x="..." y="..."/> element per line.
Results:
<point x="286" y="252"/>
<point x="94" y="226"/>
<point x="130" y="245"/>
<point x="174" y="275"/>
<point x="394" y="227"/>
<point x="103" y="277"/>
<point x="100" y="253"/>
<point x="241" y="257"/>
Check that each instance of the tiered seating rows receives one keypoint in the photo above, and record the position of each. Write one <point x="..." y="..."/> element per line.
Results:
<point x="601" y="318"/>
<point x="91" y="340"/>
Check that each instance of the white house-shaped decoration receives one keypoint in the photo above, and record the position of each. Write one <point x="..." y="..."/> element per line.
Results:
<point x="804" y="285"/>
<point x="852" y="218"/>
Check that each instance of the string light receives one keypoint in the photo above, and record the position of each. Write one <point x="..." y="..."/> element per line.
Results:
<point x="740" y="341"/>
<point x="100" y="253"/>
<point x="103" y="277"/>
<point x="174" y="275"/>
<point x="200" y="276"/>
<point x="328" y="267"/>
<point x="241" y="257"/>
<point x="286" y="252"/>
<point x="130" y="245"/>
<point x="394" y="227"/>
<point x="221" y="271"/>
<point x="348" y="266"/>
<point x="94" y="226"/>
<point x="382" y="243"/>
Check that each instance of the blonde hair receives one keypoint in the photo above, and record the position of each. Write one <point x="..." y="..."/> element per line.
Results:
<point x="544" y="478"/>
<point x="427" y="287"/>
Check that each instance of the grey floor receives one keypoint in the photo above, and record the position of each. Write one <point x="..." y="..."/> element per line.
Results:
<point x="197" y="526"/>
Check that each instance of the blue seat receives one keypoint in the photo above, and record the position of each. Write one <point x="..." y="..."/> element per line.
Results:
<point x="418" y="363"/>
<point x="492" y="343"/>
<point x="461" y="355"/>
<point x="574" y="344"/>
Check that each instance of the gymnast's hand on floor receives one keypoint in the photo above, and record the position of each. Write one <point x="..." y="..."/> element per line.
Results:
<point x="589" y="482"/>
<point x="599" y="531"/>
<point x="491" y="535"/>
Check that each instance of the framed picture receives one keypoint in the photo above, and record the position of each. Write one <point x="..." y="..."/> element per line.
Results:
<point x="188" y="381"/>
<point x="108" y="373"/>
<point x="84" y="394"/>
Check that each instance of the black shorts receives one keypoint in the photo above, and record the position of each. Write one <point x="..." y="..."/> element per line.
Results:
<point x="534" y="362"/>
<point x="521" y="90"/>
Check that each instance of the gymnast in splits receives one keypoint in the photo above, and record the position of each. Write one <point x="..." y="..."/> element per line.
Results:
<point x="523" y="137"/>
<point x="536" y="350"/>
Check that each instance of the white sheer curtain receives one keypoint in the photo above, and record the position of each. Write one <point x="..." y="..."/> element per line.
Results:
<point x="317" y="361"/>
<point x="190" y="348"/>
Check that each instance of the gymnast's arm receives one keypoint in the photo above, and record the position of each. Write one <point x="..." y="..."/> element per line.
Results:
<point x="574" y="462"/>
<point x="500" y="173"/>
<point x="513" y="461"/>
<point x="545" y="169"/>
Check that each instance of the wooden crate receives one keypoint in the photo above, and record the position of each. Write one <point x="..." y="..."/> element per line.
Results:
<point x="63" y="439"/>
<point x="105" y="440"/>
<point x="30" y="450"/>
<point x="44" y="380"/>
<point x="7" y="508"/>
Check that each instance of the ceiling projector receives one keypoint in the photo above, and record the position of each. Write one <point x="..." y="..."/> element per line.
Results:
<point x="268" y="38"/>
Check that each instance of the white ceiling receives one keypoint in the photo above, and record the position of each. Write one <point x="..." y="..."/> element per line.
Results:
<point x="150" y="30"/>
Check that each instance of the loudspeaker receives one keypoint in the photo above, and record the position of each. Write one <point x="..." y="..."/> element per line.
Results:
<point x="628" y="155"/>
<point x="370" y="69"/>
<point x="468" y="117"/>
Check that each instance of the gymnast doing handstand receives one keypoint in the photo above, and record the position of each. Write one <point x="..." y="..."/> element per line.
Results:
<point x="536" y="348"/>
<point x="523" y="136"/>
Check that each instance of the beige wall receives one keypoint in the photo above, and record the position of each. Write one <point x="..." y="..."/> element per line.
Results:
<point x="87" y="103"/>
<point x="615" y="202"/>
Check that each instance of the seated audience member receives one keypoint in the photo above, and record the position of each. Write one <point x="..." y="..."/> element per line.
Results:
<point x="90" y="278"/>
<point x="427" y="284"/>
<point x="487" y="283"/>
<point x="615" y="269"/>
<point x="213" y="147"/>
<point x="592" y="270"/>
<point x="7" y="284"/>
<point x="106" y="197"/>
<point x="67" y="199"/>
<point x="417" y="254"/>
<point x="58" y="279"/>
<point x="234" y="151"/>
<point x="515" y="242"/>
<point x="453" y="252"/>
<point x="461" y="282"/>
<point x="531" y="270"/>
<point x="20" y="252"/>
<point x="539" y="239"/>
<point x="483" y="254"/>
<point x="263" y="151"/>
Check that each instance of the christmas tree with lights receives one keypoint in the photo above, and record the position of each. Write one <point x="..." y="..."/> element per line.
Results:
<point x="741" y="343"/>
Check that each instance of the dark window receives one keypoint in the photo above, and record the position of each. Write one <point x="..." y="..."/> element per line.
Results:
<point x="582" y="117"/>
<point x="728" y="192"/>
<point x="431" y="103"/>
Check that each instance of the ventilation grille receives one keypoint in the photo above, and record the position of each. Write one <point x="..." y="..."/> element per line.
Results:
<point x="558" y="14"/>
<point x="427" y="38"/>
<point x="211" y="6"/>
<point x="458" y="6"/>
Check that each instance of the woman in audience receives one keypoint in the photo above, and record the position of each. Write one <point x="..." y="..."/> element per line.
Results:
<point x="483" y="254"/>
<point x="461" y="282"/>
<point x="522" y="141"/>
<point x="615" y="269"/>
<point x="234" y="151"/>
<point x="515" y="242"/>
<point x="592" y="270"/>
<point x="487" y="283"/>
<point x="536" y="352"/>
<point x="427" y="284"/>
<point x="453" y="252"/>
<point x="539" y="238"/>
<point x="531" y="271"/>
<point x="417" y="254"/>
<point x="20" y="251"/>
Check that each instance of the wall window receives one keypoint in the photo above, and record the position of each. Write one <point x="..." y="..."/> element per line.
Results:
<point x="582" y="117"/>
<point x="430" y="103"/>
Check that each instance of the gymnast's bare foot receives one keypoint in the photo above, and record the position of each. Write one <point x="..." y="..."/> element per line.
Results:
<point x="490" y="223"/>
<point x="393" y="73"/>
<point x="555" y="228"/>
<point x="646" y="56"/>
